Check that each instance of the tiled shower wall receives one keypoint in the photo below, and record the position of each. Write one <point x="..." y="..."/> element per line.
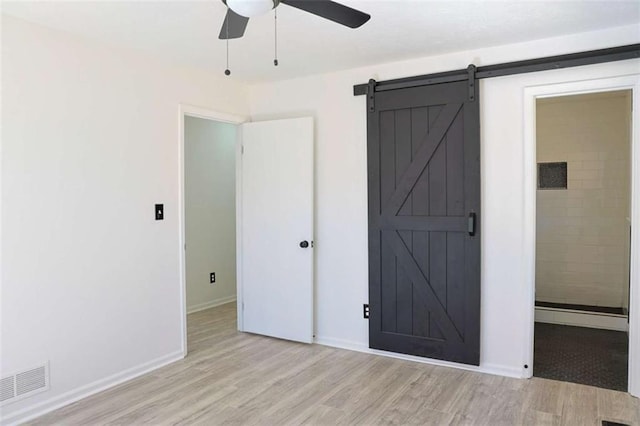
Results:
<point x="583" y="231"/>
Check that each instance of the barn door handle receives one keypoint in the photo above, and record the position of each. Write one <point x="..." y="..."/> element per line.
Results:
<point x="471" y="224"/>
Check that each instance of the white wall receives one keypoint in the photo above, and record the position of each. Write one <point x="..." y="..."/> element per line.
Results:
<point x="341" y="181"/>
<point x="90" y="141"/>
<point x="582" y="239"/>
<point x="210" y="211"/>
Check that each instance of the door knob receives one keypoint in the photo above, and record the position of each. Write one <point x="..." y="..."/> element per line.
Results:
<point x="304" y="244"/>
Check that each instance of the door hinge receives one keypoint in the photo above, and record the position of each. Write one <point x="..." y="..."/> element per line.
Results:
<point x="241" y="149"/>
<point x="365" y="310"/>
<point x="371" y="95"/>
<point x="471" y="72"/>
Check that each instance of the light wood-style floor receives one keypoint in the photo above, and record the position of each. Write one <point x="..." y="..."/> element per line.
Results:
<point x="236" y="378"/>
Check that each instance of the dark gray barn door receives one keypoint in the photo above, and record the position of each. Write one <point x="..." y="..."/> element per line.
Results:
<point x="424" y="216"/>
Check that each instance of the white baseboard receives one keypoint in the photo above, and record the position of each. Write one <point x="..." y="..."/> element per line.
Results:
<point x="212" y="304"/>
<point x="498" y="370"/>
<point x="581" y="319"/>
<point x="44" y="407"/>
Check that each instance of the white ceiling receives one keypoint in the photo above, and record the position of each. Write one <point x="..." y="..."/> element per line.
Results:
<point x="186" y="32"/>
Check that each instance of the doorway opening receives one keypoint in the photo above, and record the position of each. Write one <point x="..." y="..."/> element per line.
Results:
<point x="583" y="238"/>
<point x="246" y="237"/>
<point x="208" y="198"/>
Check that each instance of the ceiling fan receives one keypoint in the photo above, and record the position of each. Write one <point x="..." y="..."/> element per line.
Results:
<point x="239" y="12"/>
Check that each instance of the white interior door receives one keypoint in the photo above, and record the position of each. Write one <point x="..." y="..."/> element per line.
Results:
<point x="276" y="218"/>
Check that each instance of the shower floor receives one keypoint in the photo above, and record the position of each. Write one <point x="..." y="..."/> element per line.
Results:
<point x="582" y="355"/>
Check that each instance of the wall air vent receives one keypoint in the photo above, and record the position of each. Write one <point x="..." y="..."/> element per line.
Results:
<point x="7" y="388"/>
<point x="24" y="384"/>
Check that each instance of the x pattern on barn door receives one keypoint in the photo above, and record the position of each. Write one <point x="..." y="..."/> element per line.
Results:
<point x="423" y="146"/>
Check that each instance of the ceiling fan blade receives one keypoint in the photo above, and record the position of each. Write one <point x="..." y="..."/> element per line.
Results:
<point x="237" y="24"/>
<point x="331" y="10"/>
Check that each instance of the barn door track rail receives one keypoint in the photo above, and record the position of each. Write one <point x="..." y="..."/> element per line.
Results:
<point x="612" y="54"/>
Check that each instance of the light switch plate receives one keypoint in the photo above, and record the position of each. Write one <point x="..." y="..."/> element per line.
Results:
<point x="159" y="211"/>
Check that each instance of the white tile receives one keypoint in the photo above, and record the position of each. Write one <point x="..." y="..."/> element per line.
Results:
<point x="593" y="165"/>
<point x="591" y="183"/>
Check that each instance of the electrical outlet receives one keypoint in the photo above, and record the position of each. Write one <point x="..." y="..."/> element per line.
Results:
<point x="365" y="310"/>
<point x="212" y="277"/>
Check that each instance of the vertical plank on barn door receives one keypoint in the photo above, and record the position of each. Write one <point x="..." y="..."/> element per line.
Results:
<point x="424" y="173"/>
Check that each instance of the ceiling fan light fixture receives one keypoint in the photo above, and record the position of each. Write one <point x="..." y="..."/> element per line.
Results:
<point x="251" y="8"/>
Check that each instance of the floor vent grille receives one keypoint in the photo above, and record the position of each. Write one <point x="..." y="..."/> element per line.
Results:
<point x="24" y="384"/>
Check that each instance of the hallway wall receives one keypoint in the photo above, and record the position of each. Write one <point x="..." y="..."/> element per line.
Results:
<point x="210" y="209"/>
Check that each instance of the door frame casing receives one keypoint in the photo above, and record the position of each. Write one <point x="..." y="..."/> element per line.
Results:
<point x="531" y="94"/>
<point x="185" y="110"/>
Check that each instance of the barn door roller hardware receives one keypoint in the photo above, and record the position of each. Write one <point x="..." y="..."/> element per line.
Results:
<point x="471" y="79"/>
<point x="371" y="96"/>
<point x="612" y="54"/>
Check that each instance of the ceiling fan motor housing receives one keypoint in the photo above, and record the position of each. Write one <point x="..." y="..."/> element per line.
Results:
<point x="251" y="8"/>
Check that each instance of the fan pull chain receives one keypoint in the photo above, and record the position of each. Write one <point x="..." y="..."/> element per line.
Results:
<point x="227" y="71"/>
<point x="275" y="27"/>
